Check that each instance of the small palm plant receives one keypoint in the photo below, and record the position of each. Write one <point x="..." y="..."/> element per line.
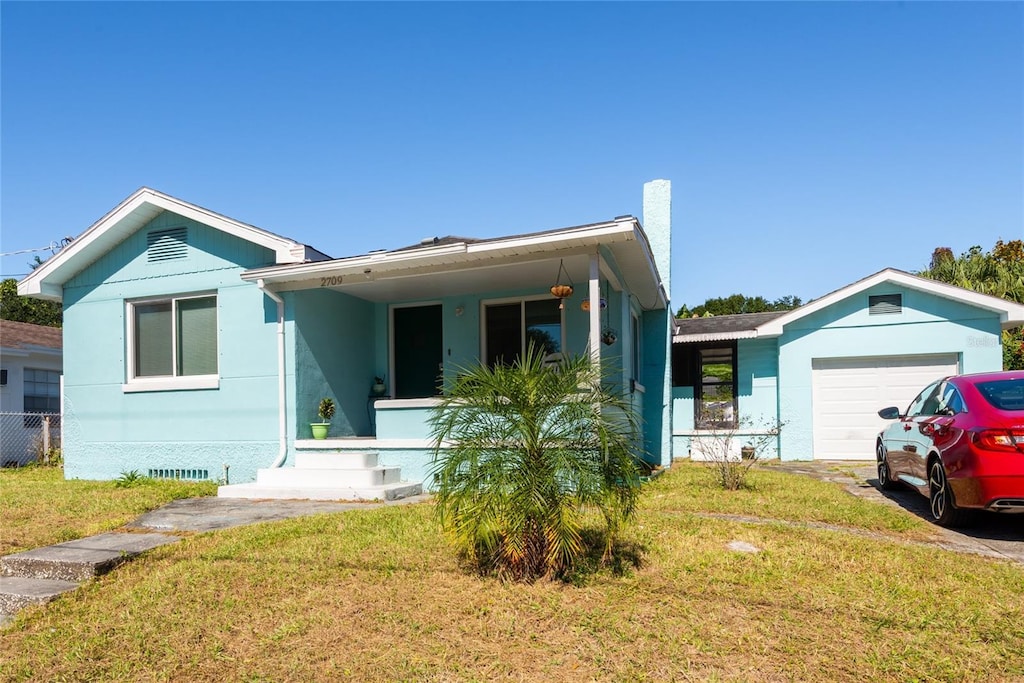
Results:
<point x="326" y="409"/>
<point x="525" y="452"/>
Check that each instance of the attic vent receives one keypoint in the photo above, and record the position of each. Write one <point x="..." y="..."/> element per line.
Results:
<point x="166" y="245"/>
<point x="187" y="474"/>
<point x="882" y="304"/>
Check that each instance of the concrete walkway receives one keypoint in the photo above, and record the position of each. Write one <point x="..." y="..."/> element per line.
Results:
<point x="39" y="575"/>
<point x="993" y="535"/>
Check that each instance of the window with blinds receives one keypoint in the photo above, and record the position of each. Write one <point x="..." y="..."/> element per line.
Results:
<point x="175" y="337"/>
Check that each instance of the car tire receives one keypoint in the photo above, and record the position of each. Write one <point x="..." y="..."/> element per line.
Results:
<point x="885" y="481"/>
<point x="941" y="504"/>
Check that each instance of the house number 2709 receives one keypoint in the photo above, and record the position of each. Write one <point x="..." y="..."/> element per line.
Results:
<point x="330" y="281"/>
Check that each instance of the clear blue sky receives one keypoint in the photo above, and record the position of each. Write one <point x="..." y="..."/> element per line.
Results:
<point x="809" y="144"/>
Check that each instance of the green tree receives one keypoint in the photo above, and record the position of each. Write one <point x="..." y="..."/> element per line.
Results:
<point x="738" y="303"/>
<point x="531" y="452"/>
<point x="998" y="273"/>
<point x="25" y="310"/>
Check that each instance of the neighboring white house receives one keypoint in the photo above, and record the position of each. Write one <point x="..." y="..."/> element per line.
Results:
<point x="31" y="362"/>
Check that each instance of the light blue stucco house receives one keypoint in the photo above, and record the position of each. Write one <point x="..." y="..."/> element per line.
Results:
<point x="197" y="346"/>
<point x="822" y="371"/>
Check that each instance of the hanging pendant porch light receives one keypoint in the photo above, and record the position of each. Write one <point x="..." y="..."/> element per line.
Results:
<point x="559" y="290"/>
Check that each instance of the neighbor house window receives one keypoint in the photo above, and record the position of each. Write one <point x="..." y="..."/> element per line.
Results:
<point x="510" y="327"/>
<point x="174" y="337"/>
<point x="42" y="394"/>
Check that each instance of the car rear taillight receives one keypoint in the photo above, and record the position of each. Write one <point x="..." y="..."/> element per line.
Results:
<point x="1008" y="440"/>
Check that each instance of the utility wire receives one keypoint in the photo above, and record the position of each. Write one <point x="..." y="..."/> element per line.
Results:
<point x="52" y="247"/>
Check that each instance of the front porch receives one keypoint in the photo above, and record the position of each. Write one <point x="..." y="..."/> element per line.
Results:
<point x="415" y="317"/>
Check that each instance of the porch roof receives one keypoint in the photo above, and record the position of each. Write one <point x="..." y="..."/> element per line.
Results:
<point x="451" y="266"/>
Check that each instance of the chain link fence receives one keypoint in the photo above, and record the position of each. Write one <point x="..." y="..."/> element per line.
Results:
<point x="29" y="437"/>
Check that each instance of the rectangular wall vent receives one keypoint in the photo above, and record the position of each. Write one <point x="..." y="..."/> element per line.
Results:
<point x="884" y="304"/>
<point x="167" y="245"/>
<point x="189" y="475"/>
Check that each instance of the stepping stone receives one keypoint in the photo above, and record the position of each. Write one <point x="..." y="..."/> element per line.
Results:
<point x="17" y="592"/>
<point x="81" y="559"/>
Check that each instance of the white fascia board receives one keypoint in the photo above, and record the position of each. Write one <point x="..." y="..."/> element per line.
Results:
<point x="46" y="281"/>
<point x="377" y="263"/>
<point x="447" y="255"/>
<point x="285" y="250"/>
<point x="1010" y="314"/>
<point x="713" y="336"/>
<point x="596" y="234"/>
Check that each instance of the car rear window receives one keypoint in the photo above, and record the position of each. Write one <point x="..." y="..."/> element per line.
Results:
<point x="1004" y="394"/>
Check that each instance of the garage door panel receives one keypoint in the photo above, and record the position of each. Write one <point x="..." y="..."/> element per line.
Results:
<point x="847" y="394"/>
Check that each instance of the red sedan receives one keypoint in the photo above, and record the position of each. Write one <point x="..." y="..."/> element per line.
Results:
<point x="961" y="444"/>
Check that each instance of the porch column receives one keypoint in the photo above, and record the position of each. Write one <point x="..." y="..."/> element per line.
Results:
<point x="595" y="308"/>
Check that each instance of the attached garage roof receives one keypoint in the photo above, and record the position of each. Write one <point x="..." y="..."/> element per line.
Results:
<point x="750" y="326"/>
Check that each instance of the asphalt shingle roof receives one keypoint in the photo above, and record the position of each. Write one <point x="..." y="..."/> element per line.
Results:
<point x="14" y="335"/>
<point x="724" y="325"/>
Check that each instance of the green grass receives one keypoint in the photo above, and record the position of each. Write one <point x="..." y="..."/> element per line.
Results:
<point x="778" y="495"/>
<point x="38" y="507"/>
<point x="376" y="595"/>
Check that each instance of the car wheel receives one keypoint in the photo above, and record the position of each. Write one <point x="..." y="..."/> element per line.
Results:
<point x="885" y="481"/>
<point x="940" y="497"/>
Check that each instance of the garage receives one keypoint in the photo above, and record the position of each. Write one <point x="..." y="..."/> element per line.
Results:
<point x="847" y="394"/>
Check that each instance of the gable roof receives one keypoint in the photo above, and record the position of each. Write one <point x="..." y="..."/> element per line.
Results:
<point x="721" y="327"/>
<point x="746" y="326"/>
<point x="27" y="336"/>
<point x="46" y="281"/>
<point x="1010" y="314"/>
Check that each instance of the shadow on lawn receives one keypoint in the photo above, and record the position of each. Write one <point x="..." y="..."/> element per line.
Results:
<point x="626" y="556"/>
<point x="981" y="525"/>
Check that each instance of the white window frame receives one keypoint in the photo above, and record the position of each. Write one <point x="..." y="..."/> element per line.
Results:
<point x="521" y="300"/>
<point x="636" y="336"/>
<point x="166" y="382"/>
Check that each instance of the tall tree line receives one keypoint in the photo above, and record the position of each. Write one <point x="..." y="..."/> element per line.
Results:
<point x="999" y="272"/>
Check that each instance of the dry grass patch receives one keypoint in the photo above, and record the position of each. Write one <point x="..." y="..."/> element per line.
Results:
<point x="38" y="507"/>
<point x="375" y="595"/>
<point x="689" y="487"/>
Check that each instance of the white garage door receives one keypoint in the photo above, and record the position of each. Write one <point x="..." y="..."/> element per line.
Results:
<point x="849" y="392"/>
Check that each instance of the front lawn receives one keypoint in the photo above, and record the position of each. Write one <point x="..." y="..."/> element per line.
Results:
<point x="376" y="595"/>
<point x="38" y="507"/>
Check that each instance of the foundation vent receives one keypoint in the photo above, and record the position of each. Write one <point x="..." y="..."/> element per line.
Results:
<point x="167" y="245"/>
<point x="187" y="475"/>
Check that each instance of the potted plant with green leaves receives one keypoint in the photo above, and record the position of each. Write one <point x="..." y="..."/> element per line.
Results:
<point x="326" y="412"/>
<point x="378" y="387"/>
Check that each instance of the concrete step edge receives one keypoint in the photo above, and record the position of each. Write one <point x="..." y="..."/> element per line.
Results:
<point x="17" y="592"/>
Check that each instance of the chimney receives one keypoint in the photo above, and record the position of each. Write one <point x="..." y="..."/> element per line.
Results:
<point x="657" y="224"/>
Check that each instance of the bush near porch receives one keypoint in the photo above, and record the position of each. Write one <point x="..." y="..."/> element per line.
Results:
<point x="376" y="595"/>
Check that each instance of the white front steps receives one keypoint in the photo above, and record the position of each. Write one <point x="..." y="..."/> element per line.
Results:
<point x="320" y="475"/>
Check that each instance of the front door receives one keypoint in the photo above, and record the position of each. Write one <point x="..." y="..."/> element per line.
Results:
<point x="419" y="351"/>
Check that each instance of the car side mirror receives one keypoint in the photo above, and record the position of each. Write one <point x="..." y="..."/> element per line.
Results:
<point x="890" y="413"/>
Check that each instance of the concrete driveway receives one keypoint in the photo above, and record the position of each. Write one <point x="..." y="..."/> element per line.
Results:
<point x="993" y="535"/>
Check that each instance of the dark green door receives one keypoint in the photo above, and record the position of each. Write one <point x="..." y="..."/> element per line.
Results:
<point x="418" y="351"/>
